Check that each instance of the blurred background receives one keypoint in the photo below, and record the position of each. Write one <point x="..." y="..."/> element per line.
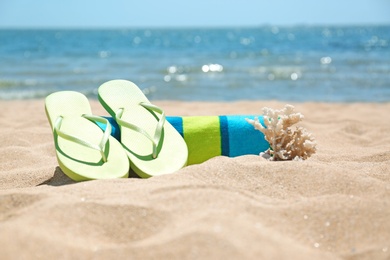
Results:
<point x="333" y="51"/>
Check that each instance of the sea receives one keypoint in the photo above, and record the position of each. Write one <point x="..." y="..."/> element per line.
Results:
<point x="290" y="63"/>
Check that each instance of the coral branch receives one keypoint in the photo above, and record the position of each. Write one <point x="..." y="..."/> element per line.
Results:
<point x="285" y="144"/>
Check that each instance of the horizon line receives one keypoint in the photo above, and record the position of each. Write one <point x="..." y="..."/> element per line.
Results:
<point x="192" y="26"/>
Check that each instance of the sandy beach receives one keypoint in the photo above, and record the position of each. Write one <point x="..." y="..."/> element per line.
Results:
<point x="335" y="205"/>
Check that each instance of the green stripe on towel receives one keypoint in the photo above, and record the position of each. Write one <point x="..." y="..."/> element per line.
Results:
<point x="202" y="135"/>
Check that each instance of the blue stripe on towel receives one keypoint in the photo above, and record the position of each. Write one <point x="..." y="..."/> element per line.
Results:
<point x="177" y="123"/>
<point x="225" y="141"/>
<point x="115" y="131"/>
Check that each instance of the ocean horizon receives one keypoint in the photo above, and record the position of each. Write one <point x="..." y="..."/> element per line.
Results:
<point x="290" y="63"/>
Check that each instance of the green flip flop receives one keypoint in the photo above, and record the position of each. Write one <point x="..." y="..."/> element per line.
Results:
<point x="152" y="144"/>
<point x="83" y="150"/>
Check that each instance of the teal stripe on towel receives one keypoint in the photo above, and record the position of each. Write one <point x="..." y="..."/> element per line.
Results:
<point x="243" y="138"/>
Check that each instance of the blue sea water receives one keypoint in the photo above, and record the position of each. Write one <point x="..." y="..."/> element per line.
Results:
<point x="299" y="63"/>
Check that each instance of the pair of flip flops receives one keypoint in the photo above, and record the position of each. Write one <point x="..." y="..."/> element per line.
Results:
<point x="149" y="144"/>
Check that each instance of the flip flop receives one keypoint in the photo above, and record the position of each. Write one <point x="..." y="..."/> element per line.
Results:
<point x="83" y="150"/>
<point x="152" y="144"/>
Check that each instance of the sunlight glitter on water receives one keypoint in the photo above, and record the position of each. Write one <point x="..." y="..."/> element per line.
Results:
<point x="212" y="68"/>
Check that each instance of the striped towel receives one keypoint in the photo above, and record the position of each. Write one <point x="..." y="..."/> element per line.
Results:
<point x="210" y="136"/>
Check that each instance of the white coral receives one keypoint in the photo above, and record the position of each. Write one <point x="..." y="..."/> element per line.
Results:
<point x="285" y="144"/>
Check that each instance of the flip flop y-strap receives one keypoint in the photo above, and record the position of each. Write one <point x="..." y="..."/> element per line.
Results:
<point x="100" y="147"/>
<point x="157" y="133"/>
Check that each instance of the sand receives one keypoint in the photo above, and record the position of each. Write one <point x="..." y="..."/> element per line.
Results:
<point x="335" y="205"/>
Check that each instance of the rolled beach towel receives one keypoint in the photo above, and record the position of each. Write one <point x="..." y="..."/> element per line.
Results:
<point x="210" y="136"/>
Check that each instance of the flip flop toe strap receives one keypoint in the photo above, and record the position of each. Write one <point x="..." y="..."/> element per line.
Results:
<point x="157" y="133"/>
<point x="100" y="147"/>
